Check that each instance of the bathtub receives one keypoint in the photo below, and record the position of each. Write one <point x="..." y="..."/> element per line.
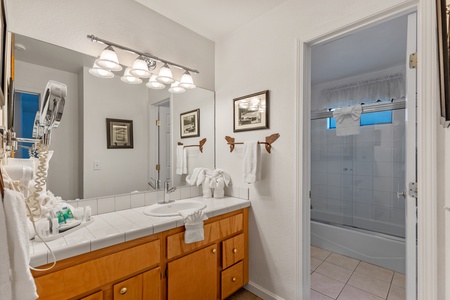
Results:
<point x="378" y="249"/>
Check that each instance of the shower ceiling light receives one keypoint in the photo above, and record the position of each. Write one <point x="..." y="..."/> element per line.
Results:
<point x="128" y="78"/>
<point x="108" y="60"/>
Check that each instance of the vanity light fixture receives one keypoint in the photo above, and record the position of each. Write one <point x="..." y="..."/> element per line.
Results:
<point x="128" y="78"/>
<point x="142" y="67"/>
<point x="176" y="89"/>
<point x="153" y="84"/>
<point x="165" y="75"/>
<point x="108" y="60"/>
<point x="186" y="81"/>
<point x="100" y="72"/>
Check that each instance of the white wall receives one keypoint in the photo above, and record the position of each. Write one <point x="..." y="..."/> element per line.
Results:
<point x="122" y="170"/>
<point x="263" y="55"/>
<point x="64" y="170"/>
<point x="67" y="23"/>
<point x="188" y="101"/>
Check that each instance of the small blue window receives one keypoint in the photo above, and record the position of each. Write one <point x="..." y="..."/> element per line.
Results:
<point x="379" y="117"/>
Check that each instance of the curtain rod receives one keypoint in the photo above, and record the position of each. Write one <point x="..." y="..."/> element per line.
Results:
<point x="105" y="42"/>
<point x="315" y="115"/>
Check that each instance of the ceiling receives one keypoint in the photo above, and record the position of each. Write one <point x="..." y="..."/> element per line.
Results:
<point x="375" y="48"/>
<point x="372" y="49"/>
<point x="212" y="18"/>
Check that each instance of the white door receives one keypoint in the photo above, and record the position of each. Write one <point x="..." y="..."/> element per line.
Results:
<point x="411" y="161"/>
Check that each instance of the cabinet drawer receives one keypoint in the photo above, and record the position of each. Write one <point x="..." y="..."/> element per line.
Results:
<point x="129" y="289"/>
<point x="213" y="231"/>
<point x="232" y="250"/>
<point x="96" y="296"/>
<point x="81" y="278"/>
<point x="232" y="279"/>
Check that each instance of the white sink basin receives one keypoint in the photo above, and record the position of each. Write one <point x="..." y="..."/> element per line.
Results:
<point x="172" y="208"/>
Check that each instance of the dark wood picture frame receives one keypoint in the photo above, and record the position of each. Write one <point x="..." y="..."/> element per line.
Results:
<point x="251" y="112"/>
<point x="119" y="134"/>
<point x="190" y="124"/>
<point x="2" y="53"/>
<point x="443" y="55"/>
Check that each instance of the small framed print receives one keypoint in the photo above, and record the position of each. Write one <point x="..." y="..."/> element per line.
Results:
<point x="119" y="134"/>
<point x="251" y="112"/>
<point x="190" y="124"/>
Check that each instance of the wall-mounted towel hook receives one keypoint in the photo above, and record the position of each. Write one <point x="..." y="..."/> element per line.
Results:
<point x="200" y="144"/>
<point x="268" y="143"/>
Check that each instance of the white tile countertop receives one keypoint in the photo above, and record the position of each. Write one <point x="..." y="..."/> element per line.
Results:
<point x="121" y="226"/>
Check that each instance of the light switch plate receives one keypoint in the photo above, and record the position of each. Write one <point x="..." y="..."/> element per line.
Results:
<point x="97" y="165"/>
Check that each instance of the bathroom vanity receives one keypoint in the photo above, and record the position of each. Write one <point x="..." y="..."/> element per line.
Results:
<point x="158" y="266"/>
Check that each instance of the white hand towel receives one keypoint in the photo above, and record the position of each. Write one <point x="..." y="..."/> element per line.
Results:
<point x="193" y="222"/>
<point x="192" y="179"/>
<point x="181" y="160"/>
<point x="347" y="120"/>
<point x="23" y="286"/>
<point x="5" y="278"/>
<point x="250" y="161"/>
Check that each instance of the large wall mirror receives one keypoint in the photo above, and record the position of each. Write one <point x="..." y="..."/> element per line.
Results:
<point x="82" y="166"/>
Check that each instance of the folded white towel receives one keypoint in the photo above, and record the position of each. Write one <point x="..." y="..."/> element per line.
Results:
<point x="181" y="160"/>
<point x="23" y="286"/>
<point x="5" y="278"/>
<point x="192" y="178"/>
<point x="193" y="222"/>
<point x="347" y="120"/>
<point x="250" y="161"/>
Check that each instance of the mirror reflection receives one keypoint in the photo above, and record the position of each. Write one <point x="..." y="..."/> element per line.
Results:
<point x="82" y="166"/>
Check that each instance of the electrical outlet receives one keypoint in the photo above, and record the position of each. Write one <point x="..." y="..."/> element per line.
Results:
<point x="97" y="165"/>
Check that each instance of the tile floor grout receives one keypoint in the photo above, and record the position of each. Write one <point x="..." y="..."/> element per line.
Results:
<point x="354" y="270"/>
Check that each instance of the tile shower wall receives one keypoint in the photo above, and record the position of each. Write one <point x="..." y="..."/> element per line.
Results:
<point x="355" y="179"/>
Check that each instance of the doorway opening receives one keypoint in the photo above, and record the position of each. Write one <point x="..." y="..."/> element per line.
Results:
<point x="360" y="221"/>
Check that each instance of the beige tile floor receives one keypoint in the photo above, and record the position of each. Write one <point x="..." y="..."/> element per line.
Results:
<point x="334" y="276"/>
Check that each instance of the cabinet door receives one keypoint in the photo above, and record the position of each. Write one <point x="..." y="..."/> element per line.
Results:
<point x="194" y="276"/>
<point x="152" y="284"/>
<point x="232" y="250"/>
<point x="130" y="289"/>
<point x="96" y="296"/>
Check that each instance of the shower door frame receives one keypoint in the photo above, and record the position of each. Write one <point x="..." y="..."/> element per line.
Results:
<point x="426" y="259"/>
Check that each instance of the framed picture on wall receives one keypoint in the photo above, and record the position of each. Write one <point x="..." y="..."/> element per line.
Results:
<point x="119" y="134"/>
<point x="2" y="53"/>
<point x="190" y="124"/>
<point x="251" y="112"/>
<point x="442" y="10"/>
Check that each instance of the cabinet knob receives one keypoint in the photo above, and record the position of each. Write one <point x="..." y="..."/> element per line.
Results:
<point x="123" y="291"/>
<point x="234" y="250"/>
<point x="214" y="251"/>
<point x="233" y="279"/>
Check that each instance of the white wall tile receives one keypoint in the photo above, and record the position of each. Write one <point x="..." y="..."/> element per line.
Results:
<point x="89" y="202"/>
<point x="150" y="198"/>
<point x="137" y="200"/>
<point x="106" y="205"/>
<point x="122" y="202"/>
<point x="364" y="168"/>
<point x="185" y="192"/>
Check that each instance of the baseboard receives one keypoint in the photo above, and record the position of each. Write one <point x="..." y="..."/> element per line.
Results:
<point x="261" y="292"/>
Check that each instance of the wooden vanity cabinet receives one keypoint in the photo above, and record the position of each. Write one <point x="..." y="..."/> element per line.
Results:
<point x="193" y="276"/>
<point x="160" y="266"/>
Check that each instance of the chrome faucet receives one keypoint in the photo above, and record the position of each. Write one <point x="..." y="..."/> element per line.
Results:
<point x="167" y="192"/>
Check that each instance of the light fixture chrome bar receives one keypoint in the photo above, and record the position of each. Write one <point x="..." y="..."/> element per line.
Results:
<point x="315" y="115"/>
<point x="146" y="55"/>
